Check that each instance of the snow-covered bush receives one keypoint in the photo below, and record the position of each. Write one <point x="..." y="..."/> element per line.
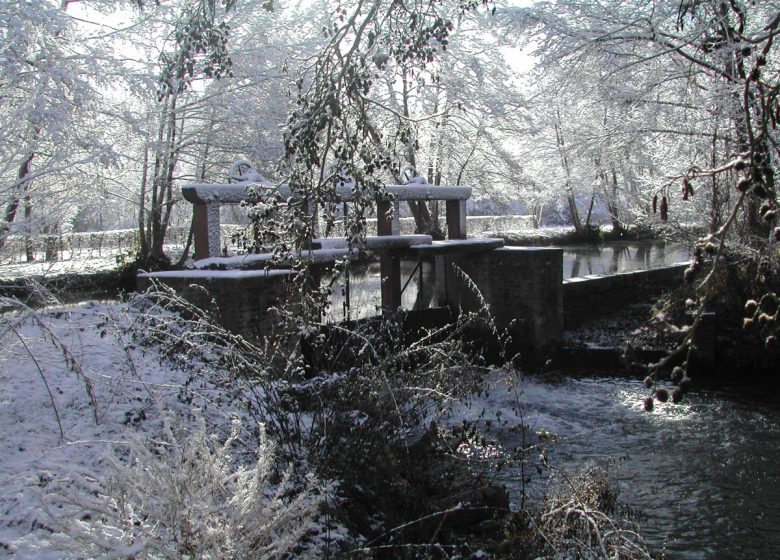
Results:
<point x="355" y="402"/>
<point x="578" y="520"/>
<point x="243" y="375"/>
<point x="102" y="434"/>
<point x="183" y="496"/>
<point x="376" y="395"/>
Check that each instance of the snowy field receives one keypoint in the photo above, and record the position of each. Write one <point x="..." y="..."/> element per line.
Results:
<point x="84" y="264"/>
<point x="72" y="387"/>
<point x="14" y="270"/>
<point x="75" y="390"/>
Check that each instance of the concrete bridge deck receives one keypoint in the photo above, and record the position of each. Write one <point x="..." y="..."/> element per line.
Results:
<point x="521" y="286"/>
<point x="206" y="200"/>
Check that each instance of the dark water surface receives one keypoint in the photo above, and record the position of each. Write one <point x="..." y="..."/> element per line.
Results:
<point x="620" y="256"/>
<point x="703" y="476"/>
<point x="578" y="260"/>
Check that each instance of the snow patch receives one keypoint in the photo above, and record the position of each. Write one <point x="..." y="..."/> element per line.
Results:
<point x="74" y="384"/>
<point x="217" y="274"/>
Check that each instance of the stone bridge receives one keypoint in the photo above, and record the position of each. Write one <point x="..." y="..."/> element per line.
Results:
<point x="522" y="286"/>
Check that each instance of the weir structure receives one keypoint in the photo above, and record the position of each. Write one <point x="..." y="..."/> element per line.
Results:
<point x="520" y="286"/>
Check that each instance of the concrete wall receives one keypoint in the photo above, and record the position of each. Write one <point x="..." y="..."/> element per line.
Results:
<point x="586" y="297"/>
<point x="241" y="300"/>
<point x="522" y="288"/>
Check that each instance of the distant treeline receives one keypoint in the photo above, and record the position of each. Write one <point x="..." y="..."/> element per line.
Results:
<point x="98" y="244"/>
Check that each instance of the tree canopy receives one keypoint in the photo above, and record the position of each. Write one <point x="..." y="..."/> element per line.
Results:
<point x="636" y="107"/>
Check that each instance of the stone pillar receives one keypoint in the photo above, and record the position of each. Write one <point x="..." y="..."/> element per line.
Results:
<point x="440" y="272"/>
<point x="523" y="288"/>
<point x="385" y="223"/>
<point x="240" y="300"/>
<point x="456" y="219"/>
<point x="206" y="232"/>
<point x="390" y="274"/>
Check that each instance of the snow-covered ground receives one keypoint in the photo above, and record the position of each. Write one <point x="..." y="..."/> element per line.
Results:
<point x="13" y="270"/>
<point x="74" y="388"/>
<point x="71" y="387"/>
<point x="85" y="262"/>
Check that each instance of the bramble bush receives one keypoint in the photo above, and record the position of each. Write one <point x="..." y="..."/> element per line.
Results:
<point x="183" y="495"/>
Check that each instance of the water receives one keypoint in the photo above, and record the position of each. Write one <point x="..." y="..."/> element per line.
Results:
<point x="365" y="291"/>
<point x="620" y="256"/>
<point x="703" y="476"/>
<point x="578" y="260"/>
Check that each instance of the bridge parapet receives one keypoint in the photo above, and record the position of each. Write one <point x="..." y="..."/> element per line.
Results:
<point x="207" y="198"/>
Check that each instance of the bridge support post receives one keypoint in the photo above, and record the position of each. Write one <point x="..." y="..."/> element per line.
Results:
<point x="390" y="274"/>
<point x="205" y="229"/>
<point x="385" y="223"/>
<point x="456" y="219"/>
<point x="440" y="274"/>
<point x="522" y="287"/>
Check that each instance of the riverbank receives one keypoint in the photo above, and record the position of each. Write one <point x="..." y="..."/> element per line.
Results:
<point x="68" y="287"/>
<point x="405" y="469"/>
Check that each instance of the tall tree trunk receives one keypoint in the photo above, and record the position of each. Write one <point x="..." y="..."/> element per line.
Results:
<point x="422" y="216"/>
<point x="719" y="197"/>
<point x="609" y="186"/>
<point x="614" y="206"/>
<point x="536" y="214"/>
<point x="177" y="127"/>
<point x="28" y="246"/>
<point x="22" y="186"/>
<point x="51" y="243"/>
<point x="570" y="198"/>
<point x="201" y="179"/>
<point x="152" y="219"/>
<point x="142" y="231"/>
<point x="436" y="149"/>
<point x="158" y="189"/>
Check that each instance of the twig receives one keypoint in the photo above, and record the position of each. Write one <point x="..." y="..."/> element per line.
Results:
<point x="43" y="377"/>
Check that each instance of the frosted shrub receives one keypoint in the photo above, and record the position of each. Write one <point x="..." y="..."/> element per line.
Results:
<point x="355" y="404"/>
<point x="183" y="497"/>
<point x="577" y="521"/>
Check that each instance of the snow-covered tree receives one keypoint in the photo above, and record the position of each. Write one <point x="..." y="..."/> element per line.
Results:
<point x="698" y="75"/>
<point x="697" y="83"/>
<point x="50" y="127"/>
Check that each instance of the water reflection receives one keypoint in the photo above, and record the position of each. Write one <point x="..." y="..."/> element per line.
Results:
<point x="619" y="256"/>
<point x="359" y="295"/>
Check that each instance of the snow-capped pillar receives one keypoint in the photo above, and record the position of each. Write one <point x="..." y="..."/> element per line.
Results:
<point x="205" y="228"/>
<point x="456" y="219"/>
<point x="388" y="220"/>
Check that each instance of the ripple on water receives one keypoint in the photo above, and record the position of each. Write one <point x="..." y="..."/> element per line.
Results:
<point x="703" y="475"/>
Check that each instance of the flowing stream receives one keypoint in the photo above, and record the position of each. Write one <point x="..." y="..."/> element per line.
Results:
<point x="703" y="476"/>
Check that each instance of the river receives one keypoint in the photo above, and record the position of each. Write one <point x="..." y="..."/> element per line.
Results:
<point x="578" y="260"/>
<point x="620" y="256"/>
<point x="702" y="476"/>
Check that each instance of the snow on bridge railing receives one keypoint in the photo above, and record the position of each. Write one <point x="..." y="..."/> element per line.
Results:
<point x="206" y="200"/>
